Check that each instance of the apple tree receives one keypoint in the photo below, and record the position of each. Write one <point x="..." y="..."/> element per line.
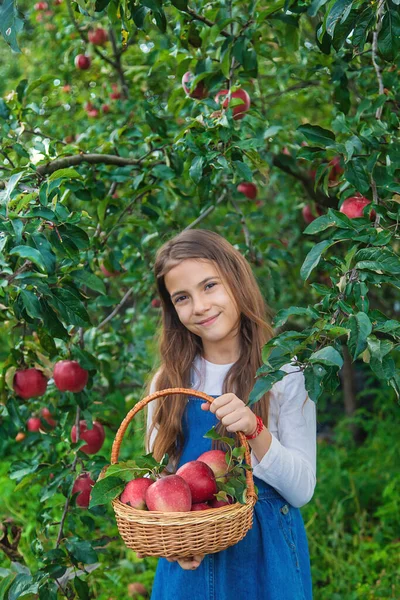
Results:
<point x="125" y="122"/>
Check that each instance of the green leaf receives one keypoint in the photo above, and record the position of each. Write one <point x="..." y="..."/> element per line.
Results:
<point x="282" y="316"/>
<point x="10" y="23"/>
<point x="82" y="588"/>
<point x="360" y="328"/>
<point x="263" y="385"/>
<point x="317" y="135"/>
<point x="328" y="356"/>
<point x="20" y="469"/>
<point x="380" y="260"/>
<point x="64" y="174"/>
<point x="106" y="490"/>
<point x="313" y="379"/>
<point x="72" y="311"/>
<point x="196" y="169"/>
<point x="32" y="304"/>
<point x="44" y="247"/>
<point x="30" y="254"/>
<point x="339" y="12"/>
<point x="81" y="552"/>
<point x="243" y="170"/>
<point x="313" y="258"/>
<point x="356" y="174"/>
<point x="320" y="224"/>
<point x="11" y="184"/>
<point x="83" y="277"/>
<point x="389" y="35"/>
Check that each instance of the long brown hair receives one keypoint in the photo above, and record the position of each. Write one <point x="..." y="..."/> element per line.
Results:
<point x="178" y="347"/>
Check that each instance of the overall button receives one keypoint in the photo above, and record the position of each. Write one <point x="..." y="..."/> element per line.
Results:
<point x="285" y="509"/>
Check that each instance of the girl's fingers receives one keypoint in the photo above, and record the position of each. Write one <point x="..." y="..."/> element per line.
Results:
<point x="205" y="406"/>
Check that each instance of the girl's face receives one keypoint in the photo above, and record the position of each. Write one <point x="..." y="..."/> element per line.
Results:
<point x="202" y="300"/>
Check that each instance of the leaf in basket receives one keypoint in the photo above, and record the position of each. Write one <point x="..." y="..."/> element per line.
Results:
<point x="239" y="452"/>
<point x="106" y="490"/>
<point x="222" y="495"/>
<point x="214" y="435"/>
<point x="126" y="470"/>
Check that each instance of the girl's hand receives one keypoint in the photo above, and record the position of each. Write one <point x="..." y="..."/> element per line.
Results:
<point x="189" y="563"/>
<point x="233" y="413"/>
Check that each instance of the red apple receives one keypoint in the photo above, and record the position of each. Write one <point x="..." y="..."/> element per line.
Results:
<point x="248" y="189"/>
<point x="353" y="207"/>
<point x="218" y="503"/>
<point x="69" y="376"/>
<point x="310" y="213"/>
<point x="108" y="273"/>
<point x="41" y="6"/>
<point x="200" y="91"/>
<point x="105" y="108"/>
<point x="66" y="88"/>
<point x="82" y="62"/>
<point x="336" y="169"/>
<point x="169" y="494"/>
<point x="200" y="506"/>
<point x="200" y="478"/>
<point x="98" y="37"/>
<point x="286" y="152"/>
<point x="20" y="436"/>
<point x="46" y="416"/>
<point x="29" y="383"/>
<point x="93" y="113"/>
<point x="156" y="303"/>
<point x="137" y="590"/>
<point x="115" y="94"/>
<point x="33" y="424"/>
<point x="216" y="460"/>
<point x="94" y="437"/>
<point x="134" y="493"/>
<point x="239" y="110"/>
<point x="57" y="2"/>
<point x="83" y="484"/>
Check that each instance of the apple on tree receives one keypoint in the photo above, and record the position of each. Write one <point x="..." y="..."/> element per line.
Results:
<point x="134" y="493"/>
<point x="94" y="437"/>
<point x="69" y="376"/>
<point x="200" y="479"/>
<point x="248" y="189"/>
<point x="200" y="91"/>
<point x="169" y="494"/>
<point x="336" y="170"/>
<point x="33" y="424"/>
<point x="108" y="273"/>
<point x="83" y="486"/>
<point x="41" y="6"/>
<point x="98" y="37"/>
<point x="354" y="206"/>
<point x="82" y="62"/>
<point x="29" y="383"/>
<point x="239" y="110"/>
<point x="137" y="590"/>
<point x="156" y="303"/>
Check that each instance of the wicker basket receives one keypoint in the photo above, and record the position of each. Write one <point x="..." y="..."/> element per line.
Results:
<point x="155" y="533"/>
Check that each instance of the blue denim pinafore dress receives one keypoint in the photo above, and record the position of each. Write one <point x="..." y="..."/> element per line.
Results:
<point x="270" y="563"/>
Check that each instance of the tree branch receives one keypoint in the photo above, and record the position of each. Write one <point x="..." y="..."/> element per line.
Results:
<point x="93" y="159"/>
<point x="116" y="309"/>
<point x="206" y="212"/>
<point x="206" y="21"/>
<point x="319" y="197"/>
<point x="375" y="35"/>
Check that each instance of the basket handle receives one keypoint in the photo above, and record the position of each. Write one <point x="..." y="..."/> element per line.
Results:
<point x="188" y="392"/>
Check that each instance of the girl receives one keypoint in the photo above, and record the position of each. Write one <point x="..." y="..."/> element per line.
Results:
<point x="214" y="326"/>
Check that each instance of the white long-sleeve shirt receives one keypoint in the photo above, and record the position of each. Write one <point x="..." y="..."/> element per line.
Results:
<point x="289" y="465"/>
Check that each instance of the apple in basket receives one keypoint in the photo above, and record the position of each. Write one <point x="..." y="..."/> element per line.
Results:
<point x="134" y="493"/>
<point x="169" y="494"/>
<point x="215" y="459"/>
<point x="201" y="480"/>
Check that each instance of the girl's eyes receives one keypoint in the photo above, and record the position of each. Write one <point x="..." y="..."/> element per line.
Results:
<point x="205" y="287"/>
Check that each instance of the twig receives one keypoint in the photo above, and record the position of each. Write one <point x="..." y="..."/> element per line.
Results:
<point x="118" y="65"/>
<point x="375" y="35"/>
<point x="245" y="229"/>
<point x="206" y="212"/>
<point x="293" y="88"/>
<point x="116" y="309"/>
<point x="73" y="467"/>
<point x="206" y="21"/>
<point x="126" y="209"/>
<point x="43" y="135"/>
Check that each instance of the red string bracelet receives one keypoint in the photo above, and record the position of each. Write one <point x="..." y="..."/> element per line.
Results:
<point x="259" y="428"/>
